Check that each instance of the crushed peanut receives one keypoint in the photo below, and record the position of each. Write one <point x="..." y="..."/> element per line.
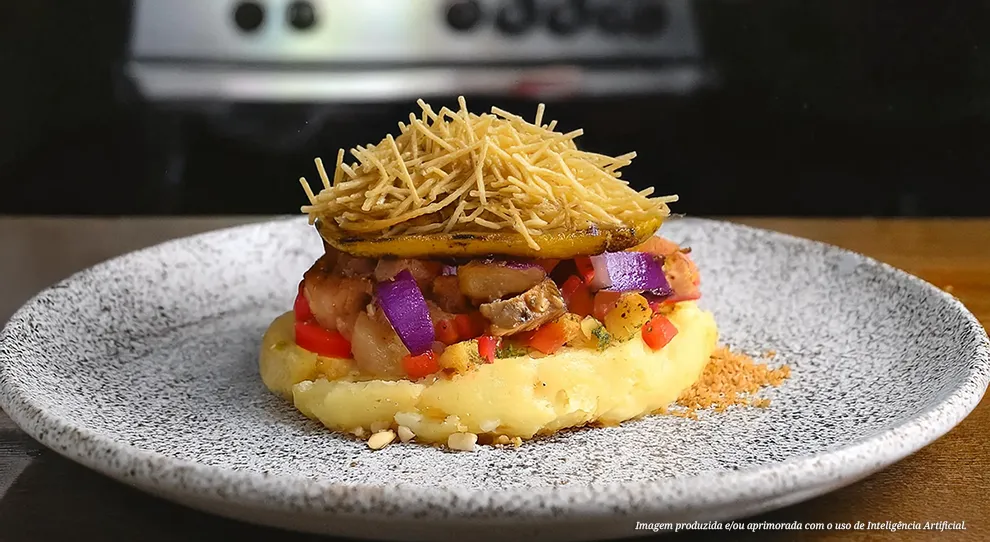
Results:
<point x="381" y="439"/>
<point x="729" y="379"/>
<point x="462" y="441"/>
<point x="406" y="434"/>
<point x="358" y="432"/>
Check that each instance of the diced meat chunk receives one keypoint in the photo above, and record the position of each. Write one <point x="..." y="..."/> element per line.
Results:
<point x="353" y="267"/>
<point x="660" y="246"/>
<point x="423" y="271"/>
<point x="437" y="313"/>
<point x="491" y="280"/>
<point x="679" y="268"/>
<point x="540" y="304"/>
<point x="683" y="276"/>
<point x="376" y="347"/>
<point x="447" y="294"/>
<point x="335" y="300"/>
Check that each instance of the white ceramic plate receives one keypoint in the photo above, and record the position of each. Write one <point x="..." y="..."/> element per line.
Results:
<point x="145" y="369"/>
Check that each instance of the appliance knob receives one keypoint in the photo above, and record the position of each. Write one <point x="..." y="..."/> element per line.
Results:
<point x="463" y="15"/>
<point x="301" y="15"/>
<point x="568" y="17"/>
<point x="613" y="17"/>
<point x="516" y="16"/>
<point x="249" y="16"/>
<point x="649" y="18"/>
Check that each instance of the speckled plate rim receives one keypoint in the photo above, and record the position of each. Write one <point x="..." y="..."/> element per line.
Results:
<point x="763" y="487"/>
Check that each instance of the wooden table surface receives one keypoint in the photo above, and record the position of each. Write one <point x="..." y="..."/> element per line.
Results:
<point x="49" y="497"/>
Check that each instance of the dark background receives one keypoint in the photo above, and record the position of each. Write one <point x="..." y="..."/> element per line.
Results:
<point x="876" y="107"/>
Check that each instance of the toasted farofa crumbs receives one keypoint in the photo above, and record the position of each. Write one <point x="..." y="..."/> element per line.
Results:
<point x="729" y="379"/>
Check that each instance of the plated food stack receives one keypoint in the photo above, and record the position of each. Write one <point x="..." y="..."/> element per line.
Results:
<point x="484" y="280"/>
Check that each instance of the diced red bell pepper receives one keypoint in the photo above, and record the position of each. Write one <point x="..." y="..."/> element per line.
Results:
<point x="446" y="331"/>
<point x="582" y="303"/>
<point x="548" y="338"/>
<point x="323" y="342"/>
<point x="301" y="306"/>
<point x="578" y="296"/>
<point x="470" y="325"/>
<point x="585" y="268"/>
<point x="487" y="345"/>
<point x="523" y="337"/>
<point x="570" y="285"/>
<point x="422" y="365"/>
<point x="658" y="332"/>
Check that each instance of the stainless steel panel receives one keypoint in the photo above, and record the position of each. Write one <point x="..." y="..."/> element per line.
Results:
<point x="385" y="31"/>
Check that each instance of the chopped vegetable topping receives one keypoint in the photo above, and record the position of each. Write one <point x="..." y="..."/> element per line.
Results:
<point x="630" y="313"/>
<point x="570" y="286"/>
<point x="604" y="339"/>
<point x="629" y="272"/>
<point x="322" y="342"/>
<point x="589" y="324"/>
<point x="470" y="325"/>
<point x="446" y="332"/>
<point x="301" y="306"/>
<point x="548" y="338"/>
<point x="422" y="365"/>
<point x="578" y="296"/>
<point x="405" y="308"/>
<point x="585" y="269"/>
<point x="658" y="332"/>
<point x="572" y="329"/>
<point x="510" y="349"/>
<point x="487" y="346"/>
<point x="604" y="302"/>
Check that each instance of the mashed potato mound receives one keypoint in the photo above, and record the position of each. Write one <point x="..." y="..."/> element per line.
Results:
<point x="512" y="397"/>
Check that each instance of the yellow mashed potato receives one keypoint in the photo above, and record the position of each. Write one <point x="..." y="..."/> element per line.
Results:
<point x="512" y="397"/>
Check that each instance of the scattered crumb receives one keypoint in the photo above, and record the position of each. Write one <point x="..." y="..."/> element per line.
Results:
<point x="729" y="379"/>
<point x="406" y="434"/>
<point x="690" y="413"/>
<point x="516" y="441"/>
<point x="358" y="432"/>
<point x="354" y="463"/>
<point x="771" y="354"/>
<point x="948" y="288"/>
<point x="381" y="439"/>
<point x="502" y="440"/>
<point x="462" y="441"/>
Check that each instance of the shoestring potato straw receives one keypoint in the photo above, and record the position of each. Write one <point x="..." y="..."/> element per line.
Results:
<point x="457" y="172"/>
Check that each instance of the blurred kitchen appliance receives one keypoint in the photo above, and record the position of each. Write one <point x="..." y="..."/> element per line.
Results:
<point x="250" y="86"/>
<point x="337" y="51"/>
